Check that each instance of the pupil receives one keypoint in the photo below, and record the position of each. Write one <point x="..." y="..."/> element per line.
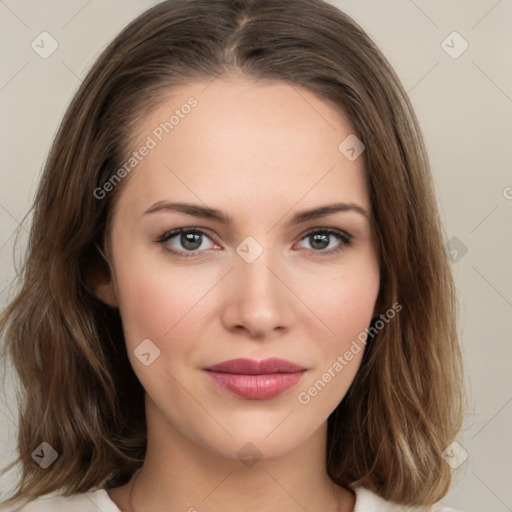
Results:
<point x="191" y="240"/>
<point x="322" y="238"/>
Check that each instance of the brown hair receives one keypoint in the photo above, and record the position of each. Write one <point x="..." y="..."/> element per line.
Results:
<point x="78" y="391"/>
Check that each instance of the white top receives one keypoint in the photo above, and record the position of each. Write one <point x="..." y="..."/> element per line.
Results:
<point x="98" y="500"/>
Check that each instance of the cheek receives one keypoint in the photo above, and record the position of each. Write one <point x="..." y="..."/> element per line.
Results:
<point x="152" y="299"/>
<point x="343" y="304"/>
<point x="145" y="304"/>
<point x="340" y="358"/>
<point x="352" y="306"/>
<point x="343" y="300"/>
<point x="158" y="305"/>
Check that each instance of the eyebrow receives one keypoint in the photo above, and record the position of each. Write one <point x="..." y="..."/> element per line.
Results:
<point x="220" y="216"/>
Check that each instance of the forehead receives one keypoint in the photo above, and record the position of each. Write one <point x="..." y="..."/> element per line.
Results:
<point x="246" y="142"/>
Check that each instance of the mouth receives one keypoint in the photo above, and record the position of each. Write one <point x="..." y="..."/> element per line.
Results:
<point x="256" y="380"/>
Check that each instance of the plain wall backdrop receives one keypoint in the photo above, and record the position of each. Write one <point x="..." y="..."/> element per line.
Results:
<point x="454" y="59"/>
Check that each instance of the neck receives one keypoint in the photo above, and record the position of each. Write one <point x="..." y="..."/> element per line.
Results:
<point x="179" y="474"/>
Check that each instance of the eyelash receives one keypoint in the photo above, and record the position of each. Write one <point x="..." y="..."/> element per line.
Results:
<point x="345" y="239"/>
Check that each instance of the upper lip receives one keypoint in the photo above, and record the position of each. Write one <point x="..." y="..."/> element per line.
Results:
<point x="253" y="367"/>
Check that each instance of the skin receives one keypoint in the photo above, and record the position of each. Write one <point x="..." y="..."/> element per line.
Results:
<point x="261" y="151"/>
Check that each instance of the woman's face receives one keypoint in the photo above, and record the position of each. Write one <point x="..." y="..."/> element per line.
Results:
<point x="270" y="283"/>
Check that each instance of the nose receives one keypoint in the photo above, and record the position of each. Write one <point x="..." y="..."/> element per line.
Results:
<point x="258" y="298"/>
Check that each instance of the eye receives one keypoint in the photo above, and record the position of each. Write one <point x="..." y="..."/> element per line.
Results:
<point x="321" y="238"/>
<point x="190" y="239"/>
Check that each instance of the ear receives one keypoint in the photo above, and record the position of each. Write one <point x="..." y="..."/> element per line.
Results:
<point x="101" y="281"/>
<point x="378" y="308"/>
<point x="104" y="290"/>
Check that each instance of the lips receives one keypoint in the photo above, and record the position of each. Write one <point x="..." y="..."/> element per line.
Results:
<point x="252" y="367"/>
<point x="256" y="380"/>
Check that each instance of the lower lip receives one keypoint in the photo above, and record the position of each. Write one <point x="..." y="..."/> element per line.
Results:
<point x="256" y="387"/>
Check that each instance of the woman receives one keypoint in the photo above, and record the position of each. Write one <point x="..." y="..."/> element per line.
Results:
<point x="235" y="295"/>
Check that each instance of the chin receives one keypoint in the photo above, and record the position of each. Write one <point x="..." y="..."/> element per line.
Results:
<point x="258" y="437"/>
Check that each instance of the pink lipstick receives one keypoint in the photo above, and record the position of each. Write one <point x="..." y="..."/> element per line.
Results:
<point x="256" y="380"/>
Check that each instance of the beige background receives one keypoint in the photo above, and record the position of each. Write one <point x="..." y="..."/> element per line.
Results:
<point x="464" y="105"/>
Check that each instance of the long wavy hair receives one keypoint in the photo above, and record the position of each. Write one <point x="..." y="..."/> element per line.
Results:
<point x="77" y="390"/>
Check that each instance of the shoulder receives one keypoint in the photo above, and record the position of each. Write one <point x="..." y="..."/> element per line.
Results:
<point x="368" y="501"/>
<point x="91" y="501"/>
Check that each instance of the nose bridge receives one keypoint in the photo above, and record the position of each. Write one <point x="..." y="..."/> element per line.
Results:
<point x="260" y="299"/>
<point x="253" y="270"/>
<point x="256" y="274"/>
